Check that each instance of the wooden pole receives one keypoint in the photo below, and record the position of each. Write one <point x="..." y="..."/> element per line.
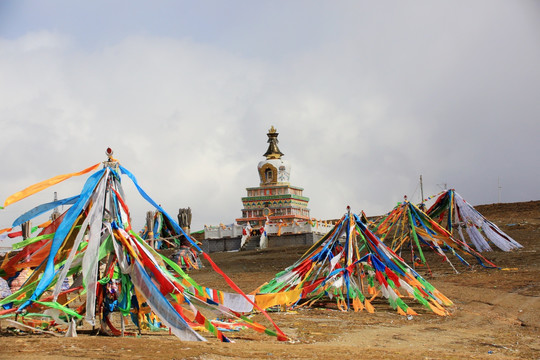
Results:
<point x="421" y="194"/>
<point x="150" y="227"/>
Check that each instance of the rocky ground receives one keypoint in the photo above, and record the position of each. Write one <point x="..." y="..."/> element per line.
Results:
<point x="496" y="314"/>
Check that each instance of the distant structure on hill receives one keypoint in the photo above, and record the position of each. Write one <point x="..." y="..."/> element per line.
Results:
<point x="275" y="213"/>
<point x="275" y="199"/>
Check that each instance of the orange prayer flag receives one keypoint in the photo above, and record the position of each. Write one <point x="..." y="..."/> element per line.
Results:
<point x="411" y="311"/>
<point x="45" y="184"/>
<point x="437" y="310"/>
<point x="369" y="307"/>
<point x="5" y="230"/>
<point x="45" y="224"/>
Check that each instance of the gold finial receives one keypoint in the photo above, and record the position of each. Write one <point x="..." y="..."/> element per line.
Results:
<point x="273" y="150"/>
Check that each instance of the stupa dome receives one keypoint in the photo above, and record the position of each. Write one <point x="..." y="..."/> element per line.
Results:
<point x="274" y="171"/>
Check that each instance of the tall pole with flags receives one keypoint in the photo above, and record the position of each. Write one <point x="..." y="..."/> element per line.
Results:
<point x="421" y="194"/>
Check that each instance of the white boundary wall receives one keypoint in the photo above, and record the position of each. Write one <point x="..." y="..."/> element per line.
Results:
<point x="233" y="230"/>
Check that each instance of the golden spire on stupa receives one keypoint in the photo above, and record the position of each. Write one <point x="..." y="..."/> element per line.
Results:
<point x="273" y="150"/>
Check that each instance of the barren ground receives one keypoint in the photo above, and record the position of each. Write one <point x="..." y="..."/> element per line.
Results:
<point x="496" y="314"/>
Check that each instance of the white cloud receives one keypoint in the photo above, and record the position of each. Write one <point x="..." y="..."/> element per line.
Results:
<point x="363" y="108"/>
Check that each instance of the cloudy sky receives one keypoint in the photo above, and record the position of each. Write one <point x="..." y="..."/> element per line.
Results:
<point x="367" y="96"/>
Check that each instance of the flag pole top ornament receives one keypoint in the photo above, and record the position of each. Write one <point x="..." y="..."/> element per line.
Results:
<point x="111" y="162"/>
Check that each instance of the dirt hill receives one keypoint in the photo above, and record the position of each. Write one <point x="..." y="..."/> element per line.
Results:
<point x="496" y="314"/>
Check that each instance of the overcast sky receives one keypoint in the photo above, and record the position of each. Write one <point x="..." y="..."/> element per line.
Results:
<point x="366" y="96"/>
